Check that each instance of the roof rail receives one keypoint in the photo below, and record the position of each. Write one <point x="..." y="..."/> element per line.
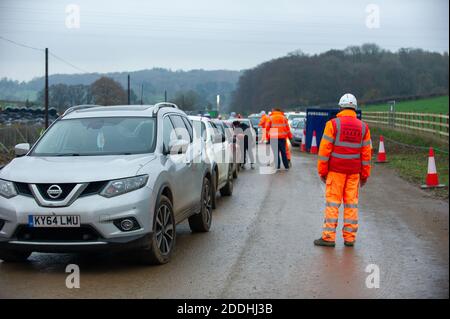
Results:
<point x="164" y="104"/>
<point x="78" y="107"/>
<point x="160" y="105"/>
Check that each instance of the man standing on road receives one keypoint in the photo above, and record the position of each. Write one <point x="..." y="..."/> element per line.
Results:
<point x="343" y="165"/>
<point x="245" y="140"/>
<point x="277" y="131"/>
<point x="262" y="124"/>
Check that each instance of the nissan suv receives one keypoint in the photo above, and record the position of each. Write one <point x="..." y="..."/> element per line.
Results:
<point x="101" y="178"/>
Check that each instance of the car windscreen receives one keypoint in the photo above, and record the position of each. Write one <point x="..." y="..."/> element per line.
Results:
<point x="98" y="136"/>
<point x="299" y="124"/>
<point x="296" y="117"/>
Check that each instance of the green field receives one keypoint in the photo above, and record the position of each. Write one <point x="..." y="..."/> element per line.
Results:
<point x="430" y="105"/>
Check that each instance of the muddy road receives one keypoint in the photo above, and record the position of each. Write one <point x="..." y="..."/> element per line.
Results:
<point x="261" y="246"/>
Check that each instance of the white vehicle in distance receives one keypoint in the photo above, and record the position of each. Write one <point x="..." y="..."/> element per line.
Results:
<point x="294" y="116"/>
<point x="218" y="155"/>
<point x="298" y="125"/>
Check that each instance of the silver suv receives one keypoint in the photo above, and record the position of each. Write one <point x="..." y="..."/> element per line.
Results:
<point x="103" y="178"/>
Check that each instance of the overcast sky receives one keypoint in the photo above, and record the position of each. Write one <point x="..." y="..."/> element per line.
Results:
<point x="208" y="34"/>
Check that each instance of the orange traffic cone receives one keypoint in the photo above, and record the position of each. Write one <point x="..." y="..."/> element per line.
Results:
<point x="432" y="180"/>
<point x="313" y="149"/>
<point x="381" y="152"/>
<point x="303" y="144"/>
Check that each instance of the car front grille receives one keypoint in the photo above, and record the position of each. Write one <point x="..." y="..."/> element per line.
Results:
<point x="23" y="189"/>
<point x="66" y="189"/>
<point x="93" y="188"/>
<point x="56" y="234"/>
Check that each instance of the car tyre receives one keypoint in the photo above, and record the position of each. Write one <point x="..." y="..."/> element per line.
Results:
<point x="201" y="222"/>
<point x="235" y="170"/>
<point x="214" y="182"/>
<point x="11" y="256"/>
<point x="227" y="190"/>
<point x="163" y="236"/>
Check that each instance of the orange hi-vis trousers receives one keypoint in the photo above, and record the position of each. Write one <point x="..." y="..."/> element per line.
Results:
<point x="341" y="188"/>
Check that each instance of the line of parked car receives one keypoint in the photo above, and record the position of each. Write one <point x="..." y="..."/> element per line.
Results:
<point x="11" y="115"/>
<point x="115" y="178"/>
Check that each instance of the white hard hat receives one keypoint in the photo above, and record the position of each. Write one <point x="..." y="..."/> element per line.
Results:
<point x="263" y="112"/>
<point x="348" y="101"/>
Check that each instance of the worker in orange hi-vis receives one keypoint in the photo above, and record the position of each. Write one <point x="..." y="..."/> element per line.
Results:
<point x="277" y="131"/>
<point x="343" y="165"/>
<point x="262" y="124"/>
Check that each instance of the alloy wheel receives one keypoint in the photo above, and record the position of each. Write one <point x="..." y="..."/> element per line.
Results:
<point x="164" y="229"/>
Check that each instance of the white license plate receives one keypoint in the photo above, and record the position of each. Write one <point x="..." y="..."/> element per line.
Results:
<point x="53" y="221"/>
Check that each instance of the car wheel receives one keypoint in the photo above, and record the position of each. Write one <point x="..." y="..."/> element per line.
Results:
<point x="11" y="256"/>
<point x="201" y="222"/>
<point x="227" y="190"/>
<point x="235" y="170"/>
<point x="163" y="236"/>
<point x="214" y="181"/>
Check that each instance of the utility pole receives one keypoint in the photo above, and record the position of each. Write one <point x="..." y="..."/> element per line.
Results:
<point x="129" y="92"/>
<point x="46" y="88"/>
<point x="165" y="95"/>
<point x="142" y="93"/>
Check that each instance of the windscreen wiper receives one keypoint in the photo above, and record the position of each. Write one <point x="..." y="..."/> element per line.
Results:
<point x="69" y="154"/>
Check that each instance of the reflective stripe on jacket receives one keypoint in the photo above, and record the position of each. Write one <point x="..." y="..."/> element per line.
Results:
<point x="345" y="146"/>
<point x="277" y="126"/>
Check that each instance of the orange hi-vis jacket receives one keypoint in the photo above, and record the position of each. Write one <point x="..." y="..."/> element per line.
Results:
<point x="263" y="121"/>
<point x="345" y="146"/>
<point x="277" y="126"/>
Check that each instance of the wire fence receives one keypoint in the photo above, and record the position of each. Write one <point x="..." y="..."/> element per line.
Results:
<point x="16" y="134"/>
<point x="417" y="147"/>
<point x="436" y="124"/>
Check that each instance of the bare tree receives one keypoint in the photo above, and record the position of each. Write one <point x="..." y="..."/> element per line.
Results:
<point x="106" y="91"/>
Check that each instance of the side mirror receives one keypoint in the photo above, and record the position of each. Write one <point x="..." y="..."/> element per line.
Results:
<point x="178" y="146"/>
<point x="21" y="149"/>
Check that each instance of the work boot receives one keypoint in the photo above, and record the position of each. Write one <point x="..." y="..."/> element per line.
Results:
<point x="349" y="243"/>
<point x="321" y="242"/>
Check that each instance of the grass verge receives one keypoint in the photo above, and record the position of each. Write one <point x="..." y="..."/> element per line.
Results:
<point x="430" y="105"/>
<point x="411" y="162"/>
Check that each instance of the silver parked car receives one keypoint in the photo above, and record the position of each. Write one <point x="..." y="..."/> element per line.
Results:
<point x="102" y="178"/>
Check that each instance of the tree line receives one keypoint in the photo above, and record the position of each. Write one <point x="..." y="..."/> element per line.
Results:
<point x="369" y="72"/>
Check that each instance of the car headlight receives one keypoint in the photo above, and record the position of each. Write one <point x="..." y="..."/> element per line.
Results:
<point x="124" y="185"/>
<point x="7" y="189"/>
